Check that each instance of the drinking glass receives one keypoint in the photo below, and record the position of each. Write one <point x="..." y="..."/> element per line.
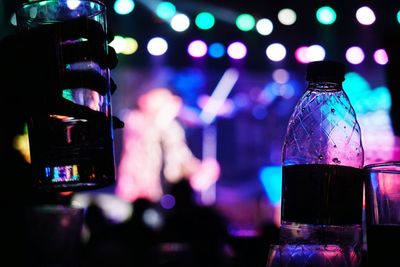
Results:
<point x="70" y="150"/>
<point x="382" y="189"/>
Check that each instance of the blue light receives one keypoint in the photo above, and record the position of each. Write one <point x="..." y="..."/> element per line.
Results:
<point x="216" y="50"/>
<point x="124" y="7"/>
<point x="271" y="179"/>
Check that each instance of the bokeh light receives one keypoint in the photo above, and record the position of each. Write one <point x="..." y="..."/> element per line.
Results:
<point x="180" y="22"/>
<point x="157" y="46"/>
<point x="216" y="50"/>
<point x="73" y="4"/>
<point x="381" y="57"/>
<point x="237" y="50"/>
<point x="315" y="53"/>
<point x="205" y="20"/>
<point x="365" y="15"/>
<point x="276" y="52"/>
<point x="124" y="7"/>
<point x="165" y="10"/>
<point x="355" y="55"/>
<point x="167" y="201"/>
<point x="245" y="22"/>
<point x="197" y="48"/>
<point x="264" y="26"/>
<point x="118" y="44"/>
<point x="326" y="15"/>
<point x="280" y="76"/>
<point x="131" y="46"/>
<point x="301" y="54"/>
<point x="398" y="16"/>
<point x="287" y="16"/>
<point x="271" y="180"/>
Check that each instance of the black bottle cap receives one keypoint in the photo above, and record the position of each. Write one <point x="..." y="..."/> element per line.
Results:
<point x="325" y="71"/>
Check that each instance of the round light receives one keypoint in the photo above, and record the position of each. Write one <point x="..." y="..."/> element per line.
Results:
<point x="131" y="46"/>
<point x="180" y="22"/>
<point x="365" y="15"/>
<point x="355" y="55"/>
<point x="118" y="44"/>
<point x="326" y="15"/>
<point x="398" y="16"/>
<point x="301" y="54"/>
<point x="264" y="26"/>
<point x="167" y="201"/>
<point x="315" y="53"/>
<point x="216" y="50"/>
<point x="245" y="22"/>
<point x="280" y="76"/>
<point x="73" y="4"/>
<point x="237" y="50"/>
<point x="381" y="57"/>
<point x="165" y="10"/>
<point x="276" y="52"/>
<point x="287" y="16"/>
<point x="123" y="7"/>
<point x="157" y="46"/>
<point x="197" y="48"/>
<point x="205" y="20"/>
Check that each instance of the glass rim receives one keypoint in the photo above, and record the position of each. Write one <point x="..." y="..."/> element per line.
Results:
<point x="36" y="2"/>
<point x="388" y="166"/>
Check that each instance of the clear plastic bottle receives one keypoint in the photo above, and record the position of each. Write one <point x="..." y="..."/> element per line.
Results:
<point x="322" y="159"/>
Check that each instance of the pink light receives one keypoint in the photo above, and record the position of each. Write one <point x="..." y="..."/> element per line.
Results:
<point x="197" y="48"/>
<point x="355" y="55"/>
<point x="301" y="54"/>
<point x="237" y="50"/>
<point x="381" y="57"/>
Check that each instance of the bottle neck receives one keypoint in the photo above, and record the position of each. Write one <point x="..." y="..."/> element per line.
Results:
<point x="325" y="86"/>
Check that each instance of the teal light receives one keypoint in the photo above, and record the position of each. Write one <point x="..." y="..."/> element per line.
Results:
<point x="205" y="20"/>
<point x="245" y="22"/>
<point x="271" y="180"/>
<point x="364" y="98"/>
<point x="165" y="10"/>
<point x="326" y="15"/>
<point x="124" y="7"/>
<point x="398" y="16"/>
<point x="68" y="94"/>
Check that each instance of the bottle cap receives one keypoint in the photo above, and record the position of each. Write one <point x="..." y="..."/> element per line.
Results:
<point x="325" y="71"/>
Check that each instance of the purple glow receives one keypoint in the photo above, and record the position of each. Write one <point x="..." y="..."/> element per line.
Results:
<point x="381" y="57"/>
<point x="197" y="48"/>
<point x="167" y="201"/>
<point x="237" y="50"/>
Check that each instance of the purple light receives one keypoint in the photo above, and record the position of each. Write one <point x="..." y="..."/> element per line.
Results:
<point x="237" y="50"/>
<point x="167" y="201"/>
<point x="355" y="55"/>
<point x="197" y="48"/>
<point x="381" y="57"/>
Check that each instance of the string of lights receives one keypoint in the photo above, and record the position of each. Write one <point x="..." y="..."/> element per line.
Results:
<point x="244" y="22"/>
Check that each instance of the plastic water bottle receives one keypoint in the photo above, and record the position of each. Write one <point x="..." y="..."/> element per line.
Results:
<point x="322" y="159"/>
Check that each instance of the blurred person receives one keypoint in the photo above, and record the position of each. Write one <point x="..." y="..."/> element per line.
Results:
<point x="28" y="67"/>
<point x="155" y="152"/>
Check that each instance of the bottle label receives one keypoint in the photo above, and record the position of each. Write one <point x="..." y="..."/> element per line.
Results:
<point x="322" y="194"/>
